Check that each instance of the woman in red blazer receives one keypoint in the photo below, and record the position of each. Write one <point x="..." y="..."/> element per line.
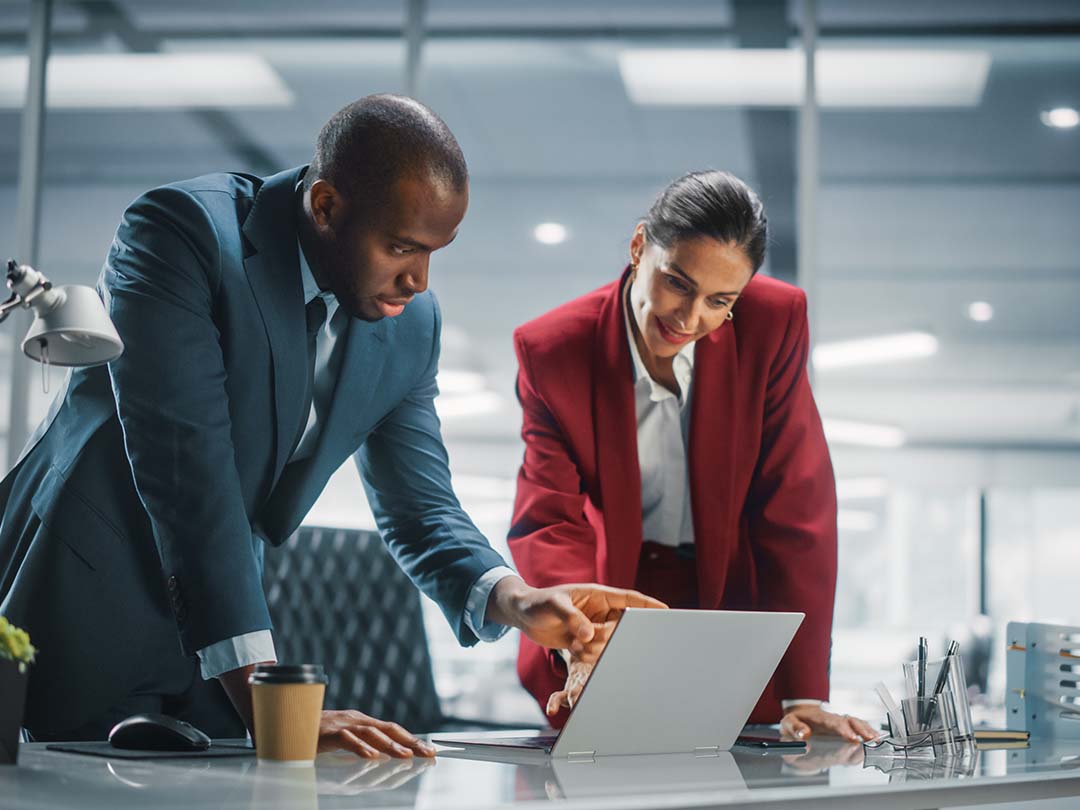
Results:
<point x="672" y="445"/>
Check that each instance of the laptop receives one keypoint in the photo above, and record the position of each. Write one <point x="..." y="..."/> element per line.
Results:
<point x="668" y="682"/>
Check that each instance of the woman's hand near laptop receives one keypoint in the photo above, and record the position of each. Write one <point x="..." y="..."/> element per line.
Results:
<point x="804" y="720"/>
<point x="577" y="673"/>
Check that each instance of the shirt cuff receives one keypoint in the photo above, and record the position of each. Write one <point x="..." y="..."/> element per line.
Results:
<point x="790" y="704"/>
<point x="477" y="603"/>
<point x="238" y="651"/>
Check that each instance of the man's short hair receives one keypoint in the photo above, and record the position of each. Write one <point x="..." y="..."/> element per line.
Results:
<point x="369" y="144"/>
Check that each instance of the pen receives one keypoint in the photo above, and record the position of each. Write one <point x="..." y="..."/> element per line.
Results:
<point x="921" y="675"/>
<point x="943" y="676"/>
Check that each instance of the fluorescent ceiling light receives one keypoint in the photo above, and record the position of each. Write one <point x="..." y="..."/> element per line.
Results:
<point x="980" y="311"/>
<point x="856" y="520"/>
<point x="149" y="80"/>
<point x="859" y="488"/>
<point x="748" y="77"/>
<point x="868" y="434"/>
<point x="879" y="349"/>
<point x="1060" y="117"/>
<point x="550" y="233"/>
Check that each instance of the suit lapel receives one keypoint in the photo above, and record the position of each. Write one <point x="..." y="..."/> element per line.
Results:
<point x="714" y="407"/>
<point x="616" y="442"/>
<point x="273" y="272"/>
<point x="364" y="355"/>
<point x="362" y="361"/>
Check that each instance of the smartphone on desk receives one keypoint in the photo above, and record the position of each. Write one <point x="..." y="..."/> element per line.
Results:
<point x="772" y="743"/>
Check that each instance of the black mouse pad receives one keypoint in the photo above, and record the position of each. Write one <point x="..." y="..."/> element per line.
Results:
<point x="105" y="749"/>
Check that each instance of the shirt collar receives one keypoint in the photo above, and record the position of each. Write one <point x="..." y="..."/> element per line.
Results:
<point x="683" y="365"/>
<point x="311" y="287"/>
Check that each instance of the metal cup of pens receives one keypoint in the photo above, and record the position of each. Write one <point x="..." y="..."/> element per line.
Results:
<point x="933" y="718"/>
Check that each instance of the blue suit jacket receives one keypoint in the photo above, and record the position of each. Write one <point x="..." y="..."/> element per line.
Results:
<point x="138" y="507"/>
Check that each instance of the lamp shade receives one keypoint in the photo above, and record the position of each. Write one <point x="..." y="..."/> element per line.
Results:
<point x="71" y="328"/>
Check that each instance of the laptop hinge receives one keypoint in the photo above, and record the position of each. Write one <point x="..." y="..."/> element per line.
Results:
<point x="707" y="751"/>
<point x="581" y="756"/>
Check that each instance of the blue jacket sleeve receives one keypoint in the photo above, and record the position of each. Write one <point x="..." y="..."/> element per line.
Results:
<point x="158" y="285"/>
<point x="406" y="473"/>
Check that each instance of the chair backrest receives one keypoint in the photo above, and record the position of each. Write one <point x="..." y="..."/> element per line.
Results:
<point x="338" y="598"/>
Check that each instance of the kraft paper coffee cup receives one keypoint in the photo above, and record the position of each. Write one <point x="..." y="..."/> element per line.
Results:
<point x="287" y="701"/>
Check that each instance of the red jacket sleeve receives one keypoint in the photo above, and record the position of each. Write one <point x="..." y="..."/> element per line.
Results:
<point x="791" y="516"/>
<point x="550" y="538"/>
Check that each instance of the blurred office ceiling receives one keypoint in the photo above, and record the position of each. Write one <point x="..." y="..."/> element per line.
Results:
<point x="922" y="210"/>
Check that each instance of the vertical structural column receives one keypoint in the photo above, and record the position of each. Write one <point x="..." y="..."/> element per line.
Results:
<point x="984" y="552"/>
<point x="414" y="44"/>
<point x="28" y="214"/>
<point x="809" y="154"/>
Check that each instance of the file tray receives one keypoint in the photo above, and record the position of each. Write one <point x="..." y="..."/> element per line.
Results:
<point x="1042" y="679"/>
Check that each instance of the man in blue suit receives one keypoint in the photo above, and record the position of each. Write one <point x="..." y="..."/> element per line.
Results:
<point x="272" y="327"/>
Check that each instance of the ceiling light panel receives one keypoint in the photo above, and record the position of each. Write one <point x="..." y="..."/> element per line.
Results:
<point x="874" y="350"/>
<point x="149" y="80"/>
<point x="775" y="77"/>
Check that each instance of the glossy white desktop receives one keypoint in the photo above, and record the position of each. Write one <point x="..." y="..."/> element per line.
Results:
<point x="828" y="775"/>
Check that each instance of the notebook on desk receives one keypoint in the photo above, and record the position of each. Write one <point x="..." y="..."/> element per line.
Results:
<point x="668" y="682"/>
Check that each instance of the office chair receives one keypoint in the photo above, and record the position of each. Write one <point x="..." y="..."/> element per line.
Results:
<point x="338" y="598"/>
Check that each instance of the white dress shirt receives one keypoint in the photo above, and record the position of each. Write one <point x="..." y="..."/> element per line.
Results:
<point x="663" y="426"/>
<point x="663" y="430"/>
<point x="258" y="646"/>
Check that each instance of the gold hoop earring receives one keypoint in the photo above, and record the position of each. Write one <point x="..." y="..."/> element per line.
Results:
<point x="730" y="315"/>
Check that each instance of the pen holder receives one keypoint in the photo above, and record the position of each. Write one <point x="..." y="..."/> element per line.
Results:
<point x="933" y="726"/>
<point x="952" y="700"/>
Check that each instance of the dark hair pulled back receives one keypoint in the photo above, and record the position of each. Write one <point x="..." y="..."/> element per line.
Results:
<point x="710" y="203"/>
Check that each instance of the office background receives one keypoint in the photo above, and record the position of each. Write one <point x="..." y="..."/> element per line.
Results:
<point x="946" y="208"/>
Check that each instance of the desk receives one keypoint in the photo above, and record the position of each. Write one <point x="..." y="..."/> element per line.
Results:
<point x="829" y="775"/>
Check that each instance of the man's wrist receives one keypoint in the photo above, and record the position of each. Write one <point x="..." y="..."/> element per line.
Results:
<point x="236" y="686"/>
<point x="504" y="605"/>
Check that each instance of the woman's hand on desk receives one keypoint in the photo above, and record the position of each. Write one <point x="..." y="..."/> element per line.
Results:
<point x="803" y="721"/>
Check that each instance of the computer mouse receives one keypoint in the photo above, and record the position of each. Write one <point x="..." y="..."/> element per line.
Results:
<point x="157" y="732"/>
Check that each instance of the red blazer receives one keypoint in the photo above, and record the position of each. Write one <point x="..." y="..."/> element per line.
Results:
<point x="762" y="489"/>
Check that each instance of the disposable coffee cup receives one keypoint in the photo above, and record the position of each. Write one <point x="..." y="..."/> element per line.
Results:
<point x="287" y="701"/>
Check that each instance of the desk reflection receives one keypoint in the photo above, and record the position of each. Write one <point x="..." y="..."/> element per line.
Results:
<point x="341" y="780"/>
<point x="268" y="785"/>
<point x="626" y="775"/>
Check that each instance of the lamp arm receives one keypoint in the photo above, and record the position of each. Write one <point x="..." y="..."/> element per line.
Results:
<point x="27" y="287"/>
<point x="7" y="306"/>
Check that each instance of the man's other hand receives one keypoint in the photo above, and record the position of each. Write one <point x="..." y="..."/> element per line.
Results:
<point x="370" y="738"/>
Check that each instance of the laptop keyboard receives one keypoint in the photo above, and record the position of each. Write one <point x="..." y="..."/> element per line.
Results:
<point x="541" y="742"/>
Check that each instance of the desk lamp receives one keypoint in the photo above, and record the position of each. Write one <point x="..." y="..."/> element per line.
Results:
<point x="70" y="328"/>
